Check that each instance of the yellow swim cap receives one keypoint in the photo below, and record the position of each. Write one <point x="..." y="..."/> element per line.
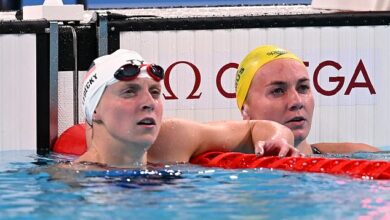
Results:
<point x="254" y="61"/>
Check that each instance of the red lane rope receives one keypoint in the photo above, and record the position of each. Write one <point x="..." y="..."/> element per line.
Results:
<point x="72" y="141"/>
<point x="368" y="169"/>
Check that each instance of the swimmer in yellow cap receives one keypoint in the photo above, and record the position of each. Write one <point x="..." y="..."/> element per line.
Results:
<point x="123" y="108"/>
<point x="273" y="84"/>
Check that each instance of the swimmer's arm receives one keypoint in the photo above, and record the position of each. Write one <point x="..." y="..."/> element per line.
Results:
<point x="344" y="147"/>
<point x="179" y="140"/>
<point x="175" y="142"/>
<point x="273" y="139"/>
<point x="256" y="136"/>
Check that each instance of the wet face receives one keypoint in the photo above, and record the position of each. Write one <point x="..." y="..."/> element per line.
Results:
<point x="280" y="91"/>
<point x="131" y="111"/>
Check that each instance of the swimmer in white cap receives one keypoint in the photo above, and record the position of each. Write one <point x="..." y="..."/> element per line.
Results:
<point x="273" y="84"/>
<point x="123" y="107"/>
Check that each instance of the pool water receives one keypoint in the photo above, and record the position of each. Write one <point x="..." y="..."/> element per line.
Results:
<point x="29" y="190"/>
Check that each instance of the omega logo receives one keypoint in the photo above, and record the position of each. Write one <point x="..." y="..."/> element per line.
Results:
<point x="339" y="80"/>
<point x="359" y="70"/>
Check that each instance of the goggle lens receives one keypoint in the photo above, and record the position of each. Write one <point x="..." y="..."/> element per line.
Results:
<point x="130" y="71"/>
<point x="155" y="71"/>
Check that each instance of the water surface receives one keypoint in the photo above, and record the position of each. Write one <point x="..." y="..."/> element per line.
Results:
<point x="27" y="190"/>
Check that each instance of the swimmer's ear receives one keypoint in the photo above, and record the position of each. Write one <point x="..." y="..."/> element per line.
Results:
<point x="96" y="117"/>
<point x="244" y="113"/>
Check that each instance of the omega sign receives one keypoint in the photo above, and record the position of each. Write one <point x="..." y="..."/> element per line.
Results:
<point x="339" y="82"/>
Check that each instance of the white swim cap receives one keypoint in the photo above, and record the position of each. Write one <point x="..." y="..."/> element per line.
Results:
<point x="101" y="74"/>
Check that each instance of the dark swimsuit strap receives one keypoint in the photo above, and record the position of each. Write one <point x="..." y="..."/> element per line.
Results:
<point x="315" y="150"/>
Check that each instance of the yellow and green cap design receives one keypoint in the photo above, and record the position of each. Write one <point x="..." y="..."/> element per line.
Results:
<point x="254" y="61"/>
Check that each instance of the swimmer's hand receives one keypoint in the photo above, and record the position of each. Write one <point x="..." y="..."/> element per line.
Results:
<point x="276" y="147"/>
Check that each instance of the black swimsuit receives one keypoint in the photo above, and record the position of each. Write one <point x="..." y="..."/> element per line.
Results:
<point x="315" y="150"/>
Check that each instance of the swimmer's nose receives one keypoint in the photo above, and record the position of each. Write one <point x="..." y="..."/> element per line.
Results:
<point x="148" y="107"/>
<point x="148" y="102"/>
<point x="295" y="101"/>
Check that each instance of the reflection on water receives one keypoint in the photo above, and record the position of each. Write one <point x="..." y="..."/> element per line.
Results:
<point x="381" y="155"/>
<point x="28" y="189"/>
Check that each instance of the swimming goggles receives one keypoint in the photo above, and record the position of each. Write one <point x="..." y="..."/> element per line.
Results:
<point x="130" y="71"/>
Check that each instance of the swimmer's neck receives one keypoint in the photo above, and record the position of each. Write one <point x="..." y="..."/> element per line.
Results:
<point x="116" y="156"/>
<point x="304" y="147"/>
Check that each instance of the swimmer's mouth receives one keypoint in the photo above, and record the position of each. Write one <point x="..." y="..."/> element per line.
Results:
<point x="147" y="121"/>
<point x="296" y="119"/>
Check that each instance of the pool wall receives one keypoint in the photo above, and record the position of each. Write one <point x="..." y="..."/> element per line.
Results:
<point x="347" y="54"/>
<point x="18" y="103"/>
<point x="27" y="105"/>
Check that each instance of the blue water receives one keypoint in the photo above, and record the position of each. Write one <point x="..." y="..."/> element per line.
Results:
<point x="31" y="188"/>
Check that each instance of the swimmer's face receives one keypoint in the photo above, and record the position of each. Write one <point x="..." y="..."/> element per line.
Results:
<point x="280" y="91"/>
<point x="131" y="111"/>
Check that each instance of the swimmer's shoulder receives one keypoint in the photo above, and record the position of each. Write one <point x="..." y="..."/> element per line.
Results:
<point x="341" y="147"/>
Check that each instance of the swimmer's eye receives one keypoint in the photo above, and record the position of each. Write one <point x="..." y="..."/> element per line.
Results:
<point x="129" y="92"/>
<point x="277" y="92"/>
<point x="155" y="92"/>
<point x="303" y="89"/>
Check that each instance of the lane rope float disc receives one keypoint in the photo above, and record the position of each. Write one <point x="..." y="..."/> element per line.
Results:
<point x="366" y="169"/>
